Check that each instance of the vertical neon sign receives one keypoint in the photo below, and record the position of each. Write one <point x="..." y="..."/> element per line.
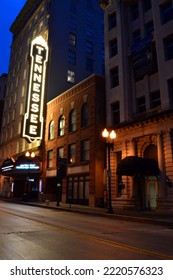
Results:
<point x="33" y="119"/>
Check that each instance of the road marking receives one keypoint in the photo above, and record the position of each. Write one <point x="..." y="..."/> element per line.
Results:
<point x="115" y="244"/>
<point x="98" y="239"/>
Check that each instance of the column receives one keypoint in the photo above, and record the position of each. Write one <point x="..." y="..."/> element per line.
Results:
<point x="132" y="152"/>
<point x="169" y="161"/>
<point x="161" y="165"/>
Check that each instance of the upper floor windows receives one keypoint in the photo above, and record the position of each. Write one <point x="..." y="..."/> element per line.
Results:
<point x="168" y="45"/>
<point x="114" y="77"/>
<point x="50" y="159"/>
<point x="141" y="107"/>
<point x="112" y="21"/>
<point x="115" y="111"/>
<point x="72" y="153"/>
<point x="166" y="12"/>
<point x="51" y="130"/>
<point x="89" y="47"/>
<point x="61" y="126"/>
<point x="70" y="76"/>
<point x="71" y="57"/>
<point x="155" y="100"/>
<point x="72" y="120"/>
<point x="134" y="11"/>
<point x="170" y="89"/>
<point x="149" y="28"/>
<point x="89" y="64"/>
<point x="85" y="148"/>
<point x="72" y="39"/>
<point x="60" y="152"/>
<point x="113" y="48"/>
<point x="136" y="35"/>
<point x="74" y="6"/>
<point x="147" y="5"/>
<point x="85" y="115"/>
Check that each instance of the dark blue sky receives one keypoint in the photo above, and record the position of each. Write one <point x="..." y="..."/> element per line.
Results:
<point x="8" y="12"/>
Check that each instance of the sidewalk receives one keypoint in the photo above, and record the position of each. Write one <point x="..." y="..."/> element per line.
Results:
<point x="151" y="217"/>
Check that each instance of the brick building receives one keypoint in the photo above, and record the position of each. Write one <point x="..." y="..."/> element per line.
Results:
<point x="73" y="139"/>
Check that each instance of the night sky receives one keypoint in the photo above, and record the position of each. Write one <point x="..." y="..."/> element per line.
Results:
<point x="8" y="12"/>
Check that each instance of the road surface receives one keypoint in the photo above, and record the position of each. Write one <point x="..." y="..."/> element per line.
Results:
<point x="29" y="233"/>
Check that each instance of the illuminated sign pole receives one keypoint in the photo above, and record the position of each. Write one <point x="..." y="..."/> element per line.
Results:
<point x="33" y="119"/>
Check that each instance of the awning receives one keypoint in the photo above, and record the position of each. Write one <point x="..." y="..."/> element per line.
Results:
<point x="132" y="165"/>
<point x="21" y="167"/>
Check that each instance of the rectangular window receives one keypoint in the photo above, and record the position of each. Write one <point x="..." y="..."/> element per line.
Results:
<point x="70" y="76"/>
<point x="78" y="189"/>
<point x="72" y="153"/>
<point x="89" y="64"/>
<point x="50" y="159"/>
<point x="141" y="107"/>
<point x="112" y="21"/>
<point x="60" y="152"/>
<point x="168" y="44"/>
<point x="113" y="48"/>
<point x="114" y="77"/>
<point x="89" y="17"/>
<point x="73" y="23"/>
<point x="155" y="99"/>
<point x="136" y="35"/>
<point x="72" y="39"/>
<point x="134" y="11"/>
<point x="170" y="89"/>
<point x="71" y="57"/>
<point x="85" y="150"/>
<point x="89" y="47"/>
<point x="166" y="12"/>
<point x="73" y="7"/>
<point x="146" y="5"/>
<point x="149" y="28"/>
<point x="115" y="109"/>
<point x="51" y="130"/>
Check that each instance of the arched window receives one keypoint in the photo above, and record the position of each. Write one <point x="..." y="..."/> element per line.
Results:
<point x="72" y="120"/>
<point x="51" y="130"/>
<point x="151" y="152"/>
<point x="85" y="115"/>
<point x="61" y="126"/>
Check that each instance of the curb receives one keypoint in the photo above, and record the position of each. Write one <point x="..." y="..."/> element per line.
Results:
<point x="125" y="217"/>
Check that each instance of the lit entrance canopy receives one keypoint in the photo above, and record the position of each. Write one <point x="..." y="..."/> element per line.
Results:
<point x="132" y="165"/>
<point x="7" y="166"/>
<point x="20" y="167"/>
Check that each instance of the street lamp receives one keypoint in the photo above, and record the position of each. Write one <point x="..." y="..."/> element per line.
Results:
<point x="28" y="154"/>
<point x="29" y="157"/>
<point x="109" y="144"/>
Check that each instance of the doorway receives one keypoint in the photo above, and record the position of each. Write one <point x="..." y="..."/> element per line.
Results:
<point x="152" y="194"/>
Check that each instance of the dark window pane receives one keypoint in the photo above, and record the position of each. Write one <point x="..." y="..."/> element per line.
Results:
<point x="166" y="12"/>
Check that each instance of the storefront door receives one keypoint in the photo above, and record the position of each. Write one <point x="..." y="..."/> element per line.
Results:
<point x="152" y="193"/>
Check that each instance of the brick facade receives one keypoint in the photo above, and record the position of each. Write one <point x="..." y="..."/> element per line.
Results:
<point x="84" y="183"/>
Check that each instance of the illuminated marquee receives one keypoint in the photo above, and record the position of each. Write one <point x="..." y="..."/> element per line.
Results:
<point x="33" y="119"/>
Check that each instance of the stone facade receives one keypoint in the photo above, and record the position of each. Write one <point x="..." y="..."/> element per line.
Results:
<point x="139" y="98"/>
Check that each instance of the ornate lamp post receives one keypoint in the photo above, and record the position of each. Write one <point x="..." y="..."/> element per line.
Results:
<point x="109" y="144"/>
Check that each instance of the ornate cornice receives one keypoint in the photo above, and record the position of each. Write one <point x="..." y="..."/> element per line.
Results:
<point x="24" y="15"/>
<point x="104" y="3"/>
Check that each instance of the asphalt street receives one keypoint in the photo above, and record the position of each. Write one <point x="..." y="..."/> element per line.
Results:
<point x="43" y="233"/>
